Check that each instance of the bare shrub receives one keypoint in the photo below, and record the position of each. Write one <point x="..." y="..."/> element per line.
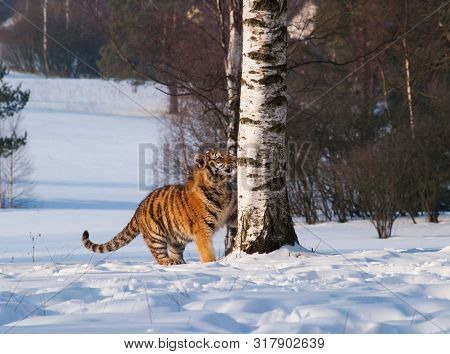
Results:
<point x="16" y="189"/>
<point x="376" y="173"/>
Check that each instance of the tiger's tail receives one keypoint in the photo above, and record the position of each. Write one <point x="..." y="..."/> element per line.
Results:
<point x="123" y="238"/>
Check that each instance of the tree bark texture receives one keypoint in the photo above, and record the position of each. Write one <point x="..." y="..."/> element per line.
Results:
<point x="264" y="220"/>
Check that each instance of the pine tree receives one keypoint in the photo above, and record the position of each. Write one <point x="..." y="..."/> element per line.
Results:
<point x="264" y="221"/>
<point x="12" y="101"/>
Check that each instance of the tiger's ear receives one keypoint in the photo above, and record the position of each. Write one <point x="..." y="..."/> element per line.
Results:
<point x="199" y="160"/>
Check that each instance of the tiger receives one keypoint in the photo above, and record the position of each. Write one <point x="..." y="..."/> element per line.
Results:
<point x="174" y="215"/>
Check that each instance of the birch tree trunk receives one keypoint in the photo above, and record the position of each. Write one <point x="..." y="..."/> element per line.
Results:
<point x="44" y="36"/>
<point x="11" y="180"/>
<point x="264" y="220"/>
<point x="408" y="86"/>
<point x="233" y="65"/>
<point x="408" y="74"/>
<point x="170" y="24"/>
<point x="385" y="93"/>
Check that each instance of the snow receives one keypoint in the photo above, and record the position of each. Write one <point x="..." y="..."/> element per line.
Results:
<point x="86" y="173"/>
<point x="301" y="25"/>
<point x="92" y="95"/>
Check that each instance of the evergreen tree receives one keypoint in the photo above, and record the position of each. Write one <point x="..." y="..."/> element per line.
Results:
<point x="12" y="101"/>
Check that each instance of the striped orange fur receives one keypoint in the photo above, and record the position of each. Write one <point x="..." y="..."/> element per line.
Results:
<point x="172" y="216"/>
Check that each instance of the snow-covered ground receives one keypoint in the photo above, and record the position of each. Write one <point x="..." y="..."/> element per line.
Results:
<point x="91" y="96"/>
<point x="86" y="177"/>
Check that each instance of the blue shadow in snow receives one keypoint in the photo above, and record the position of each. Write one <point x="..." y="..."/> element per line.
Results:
<point x="419" y="250"/>
<point x="85" y="204"/>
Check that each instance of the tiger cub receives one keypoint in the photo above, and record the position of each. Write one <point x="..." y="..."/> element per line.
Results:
<point x="172" y="216"/>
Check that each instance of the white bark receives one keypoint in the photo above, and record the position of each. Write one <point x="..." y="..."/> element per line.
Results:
<point x="408" y="85"/>
<point x="385" y="93"/>
<point x="44" y="36"/>
<point x="408" y="73"/>
<point x="11" y="179"/>
<point x="264" y="222"/>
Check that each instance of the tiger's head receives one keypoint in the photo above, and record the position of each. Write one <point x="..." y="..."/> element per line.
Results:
<point x="218" y="166"/>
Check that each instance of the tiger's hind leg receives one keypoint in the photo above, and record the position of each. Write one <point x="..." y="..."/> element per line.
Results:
<point x="158" y="246"/>
<point x="176" y="252"/>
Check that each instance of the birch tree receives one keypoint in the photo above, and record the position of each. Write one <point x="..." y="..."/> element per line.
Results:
<point x="44" y="36"/>
<point x="67" y="13"/>
<point x="264" y="221"/>
<point x="233" y="65"/>
<point x="408" y="73"/>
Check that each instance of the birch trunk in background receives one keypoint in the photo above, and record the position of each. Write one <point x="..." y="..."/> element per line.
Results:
<point x="408" y="73"/>
<point x="264" y="221"/>
<point x="170" y="24"/>
<point x="11" y="180"/>
<point x="67" y="13"/>
<point x="233" y="64"/>
<point x="44" y="36"/>
<point x="408" y="86"/>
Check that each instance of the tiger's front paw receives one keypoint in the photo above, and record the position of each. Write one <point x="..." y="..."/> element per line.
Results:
<point x="170" y="261"/>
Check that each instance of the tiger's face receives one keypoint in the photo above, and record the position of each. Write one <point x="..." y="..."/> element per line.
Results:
<point x="218" y="165"/>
